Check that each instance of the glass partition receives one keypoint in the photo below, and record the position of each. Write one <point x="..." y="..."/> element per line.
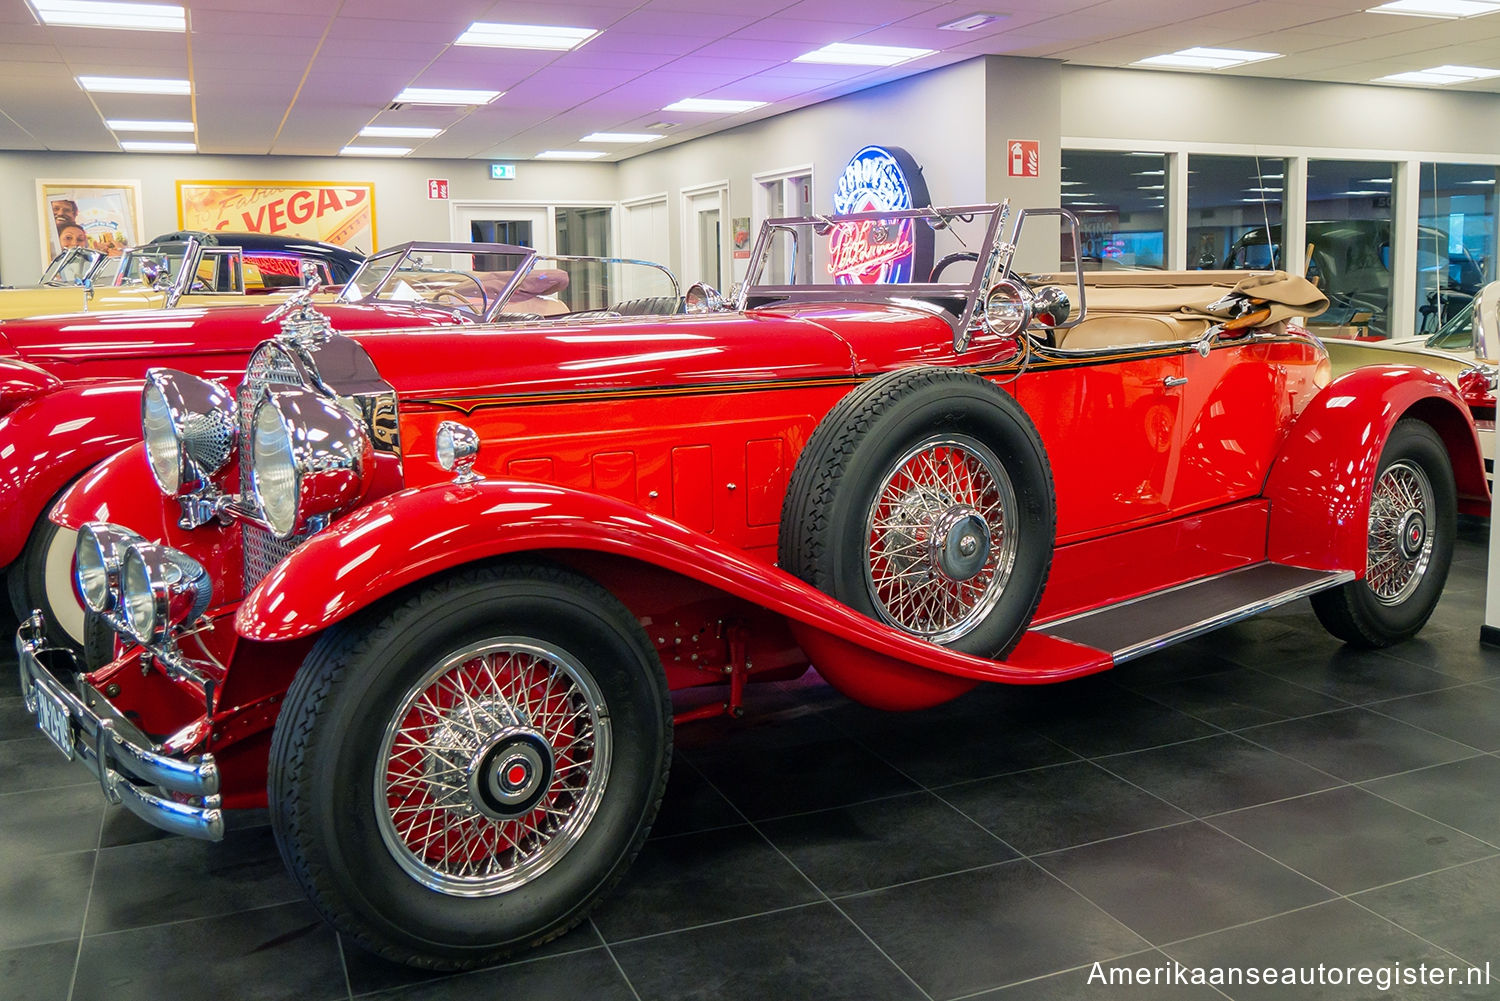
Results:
<point x="1120" y="200"/>
<point x="1349" y="245"/>
<point x="1455" y="239"/>
<point x="1232" y="203"/>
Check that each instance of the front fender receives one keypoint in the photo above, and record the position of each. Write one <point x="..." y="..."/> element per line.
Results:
<point x="1320" y="485"/>
<point x="405" y="537"/>
<point x="50" y="441"/>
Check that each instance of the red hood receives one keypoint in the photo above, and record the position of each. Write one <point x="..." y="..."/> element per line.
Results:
<point x="674" y="351"/>
<point x="172" y="337"/>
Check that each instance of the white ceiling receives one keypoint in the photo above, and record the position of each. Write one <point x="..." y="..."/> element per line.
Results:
<point x="303" y="76"/>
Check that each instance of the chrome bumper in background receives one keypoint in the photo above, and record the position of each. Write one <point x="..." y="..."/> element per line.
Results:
<point x="126" y="763"/>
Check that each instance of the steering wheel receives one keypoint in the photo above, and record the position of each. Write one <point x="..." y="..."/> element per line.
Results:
<point x="963" y="255"/>
<point x="456" y="299"/>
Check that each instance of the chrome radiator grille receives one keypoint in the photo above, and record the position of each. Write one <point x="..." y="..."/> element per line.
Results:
<point x="270" y="365"/>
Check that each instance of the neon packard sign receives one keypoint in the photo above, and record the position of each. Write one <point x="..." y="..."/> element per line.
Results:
<point x="878" y="179"/>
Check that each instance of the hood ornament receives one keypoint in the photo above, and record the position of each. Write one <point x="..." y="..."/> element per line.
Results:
<point x="301" y="323"/>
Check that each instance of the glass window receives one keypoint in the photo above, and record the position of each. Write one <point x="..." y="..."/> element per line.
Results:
<point x="1233" y="203"/>
<point x="1455" y="239"/>
<point x="1349" y="244"/>
<point x="1120" y="200"/>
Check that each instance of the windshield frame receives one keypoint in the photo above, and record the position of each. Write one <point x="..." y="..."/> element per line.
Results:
<point x="51" y="274"/>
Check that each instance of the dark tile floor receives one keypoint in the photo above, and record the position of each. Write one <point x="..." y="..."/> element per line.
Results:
<point x="1262" y="797"/>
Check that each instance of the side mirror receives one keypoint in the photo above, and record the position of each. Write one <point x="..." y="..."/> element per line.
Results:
<point x="1007" y="308"/>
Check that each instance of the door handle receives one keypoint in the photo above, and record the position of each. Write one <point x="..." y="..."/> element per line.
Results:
<point x="1174" y="380"/>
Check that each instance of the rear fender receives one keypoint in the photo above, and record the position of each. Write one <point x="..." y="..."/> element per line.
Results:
<point x="50" y="441"/>
<point x="406" y="537"/>
<point x="1320" y="485"/>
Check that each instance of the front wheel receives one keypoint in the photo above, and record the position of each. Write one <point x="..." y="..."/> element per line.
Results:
<point x="467" y="772"/>
<point x="1413" y="520"/>
<point x="43" y="579"/>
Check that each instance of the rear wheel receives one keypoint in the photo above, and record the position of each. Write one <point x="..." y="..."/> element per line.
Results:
<point x="1413" y="520"/>
<point x="467" y="772"/>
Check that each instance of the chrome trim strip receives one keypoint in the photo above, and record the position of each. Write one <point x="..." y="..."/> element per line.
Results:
<point x="99" y="746"/>
<point x="1333" y="579"/>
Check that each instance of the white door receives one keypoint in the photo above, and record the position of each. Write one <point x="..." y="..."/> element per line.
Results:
<point x="644" y="234"/>
<point x="703" y="238"/>
<point x="524" y="225"/>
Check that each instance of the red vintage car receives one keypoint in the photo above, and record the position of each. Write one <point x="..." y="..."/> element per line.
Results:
<point x="428" y="598"/>
<point x="70" y="384"/>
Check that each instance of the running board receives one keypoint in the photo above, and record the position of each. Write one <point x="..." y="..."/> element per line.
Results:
<point x="1139" y="626"/>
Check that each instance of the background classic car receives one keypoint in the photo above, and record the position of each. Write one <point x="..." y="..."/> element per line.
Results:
<point x="70" y="385"/>
<point x="190" y="269"/>
<point x="429" y="605"/>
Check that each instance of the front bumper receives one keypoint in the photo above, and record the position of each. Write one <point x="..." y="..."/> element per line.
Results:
<point x="127" y="764"/>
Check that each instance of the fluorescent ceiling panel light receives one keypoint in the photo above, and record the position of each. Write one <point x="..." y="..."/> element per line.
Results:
<point x="375" y="151"/>
<point x="124" y="16"/>
<point x="1203" y="58"/>
<point x="525" y="36"/>
<point x="1152" y="187"/>
<point x="132" y="85"/>
<point x="161" y="147"/>
<point x="1490" y="181"/>
<point x="127" y="125"/>
<point x="1440" y="76"/>
<point x="1269" y="191"/>
<point x="972" y="22"/>
<point x="569" y="154"/>
<point x="1467" y="72"/>
<point x="849" y="54"/>
<point x="444" y="95"/>
<point x="398" y="132"/>
<point x="1436" y="8"/>
<point x="1149" y="173"/>
<point x="621" y="137"/>
<point x="1361" y="194"/>
<point x="712" y="105"/>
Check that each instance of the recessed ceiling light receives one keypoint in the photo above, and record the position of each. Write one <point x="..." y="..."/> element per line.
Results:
<point x="713" y="105"/>
<point x="1489" y="180"/>
<point x="132" y="85"/>
<point x="1269" y="191"/>
<point x="158" y="147"/>
<point x="1437" y="8"/>
<point x="1363" y="193"/>
<point x="568" y="154"/>
<point x="398" y="132"/>
<point x="1066" y="183"/>
<point x="443" y="95"/>
<point x="124" y="125"/>
<point x="375" y="151"/>
<point x="972" y="22"/>
<point x="621" y="137"/>
<point x="524" y="36"/>
<point x="1203" y="58"/>
<point x="1440" y="76"/>
<point x="1149" y="173"/>
<point x="849" y="54"/>
<point x="125" y="16"/>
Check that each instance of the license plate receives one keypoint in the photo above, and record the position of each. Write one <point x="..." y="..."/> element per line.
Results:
<point x="52" y="719"/>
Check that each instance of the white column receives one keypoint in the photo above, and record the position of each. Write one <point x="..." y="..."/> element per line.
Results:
<point x="1405" y="205"/>
<point x="1294" y="216"/>
<point x="1174" y="212"/>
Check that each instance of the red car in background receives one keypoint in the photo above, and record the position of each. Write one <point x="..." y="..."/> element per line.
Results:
<point x="70" y="384"/>
<point x="427" y="597"/>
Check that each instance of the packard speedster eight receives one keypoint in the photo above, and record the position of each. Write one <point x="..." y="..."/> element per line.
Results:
<point x="70" y="386"/>
<point x="428" y="598"/>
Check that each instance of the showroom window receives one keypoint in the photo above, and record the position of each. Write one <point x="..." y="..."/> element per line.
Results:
<point x="1455" y="239"/>
<point x="1120" y="201"/>
<point x="1349" y="244"/>
<point x="1233" y="203"/>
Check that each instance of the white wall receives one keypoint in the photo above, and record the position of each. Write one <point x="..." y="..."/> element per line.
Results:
<point x="402" y="210"/>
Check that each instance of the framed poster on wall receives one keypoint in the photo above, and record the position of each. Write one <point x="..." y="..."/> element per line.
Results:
<point x="341" y="212"/>
<point x="101" y="215"/>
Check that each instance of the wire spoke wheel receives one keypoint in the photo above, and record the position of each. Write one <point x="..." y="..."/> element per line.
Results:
<point x="942" y="537"/>
<point x="492" y="767"/>
<point x="1400" y="534"/>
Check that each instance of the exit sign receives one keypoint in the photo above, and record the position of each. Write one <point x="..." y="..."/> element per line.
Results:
<point x="502" y="172"/>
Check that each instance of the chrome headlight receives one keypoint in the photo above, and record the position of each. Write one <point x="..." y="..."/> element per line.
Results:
<point x="189" y="429"/>
<point x="1007" y="308"/>
<point x="160" y="590"/>
<point x="98" y="556"/>
<point x="309" y="459"/>
<point x="457" y="446"/>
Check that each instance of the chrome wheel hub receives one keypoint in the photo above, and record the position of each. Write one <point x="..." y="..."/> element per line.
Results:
<point x="492" y="767"/>
<point x="941" y="538"/>
<point x="1400" y="536"/>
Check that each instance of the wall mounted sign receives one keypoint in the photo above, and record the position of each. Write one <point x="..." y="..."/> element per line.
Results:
<point x="437" y="188"/>
<point x="878" y="179"/>
<point x="502" y="172"/>
<point x="1025" y="157"/>
<point x="341" y="212"/>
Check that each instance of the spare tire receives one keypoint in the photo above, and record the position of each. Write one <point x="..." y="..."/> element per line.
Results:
<point x="924" y="499"/>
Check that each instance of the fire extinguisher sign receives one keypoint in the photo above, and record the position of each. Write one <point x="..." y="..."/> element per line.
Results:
<point x="1025" y="157"/>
